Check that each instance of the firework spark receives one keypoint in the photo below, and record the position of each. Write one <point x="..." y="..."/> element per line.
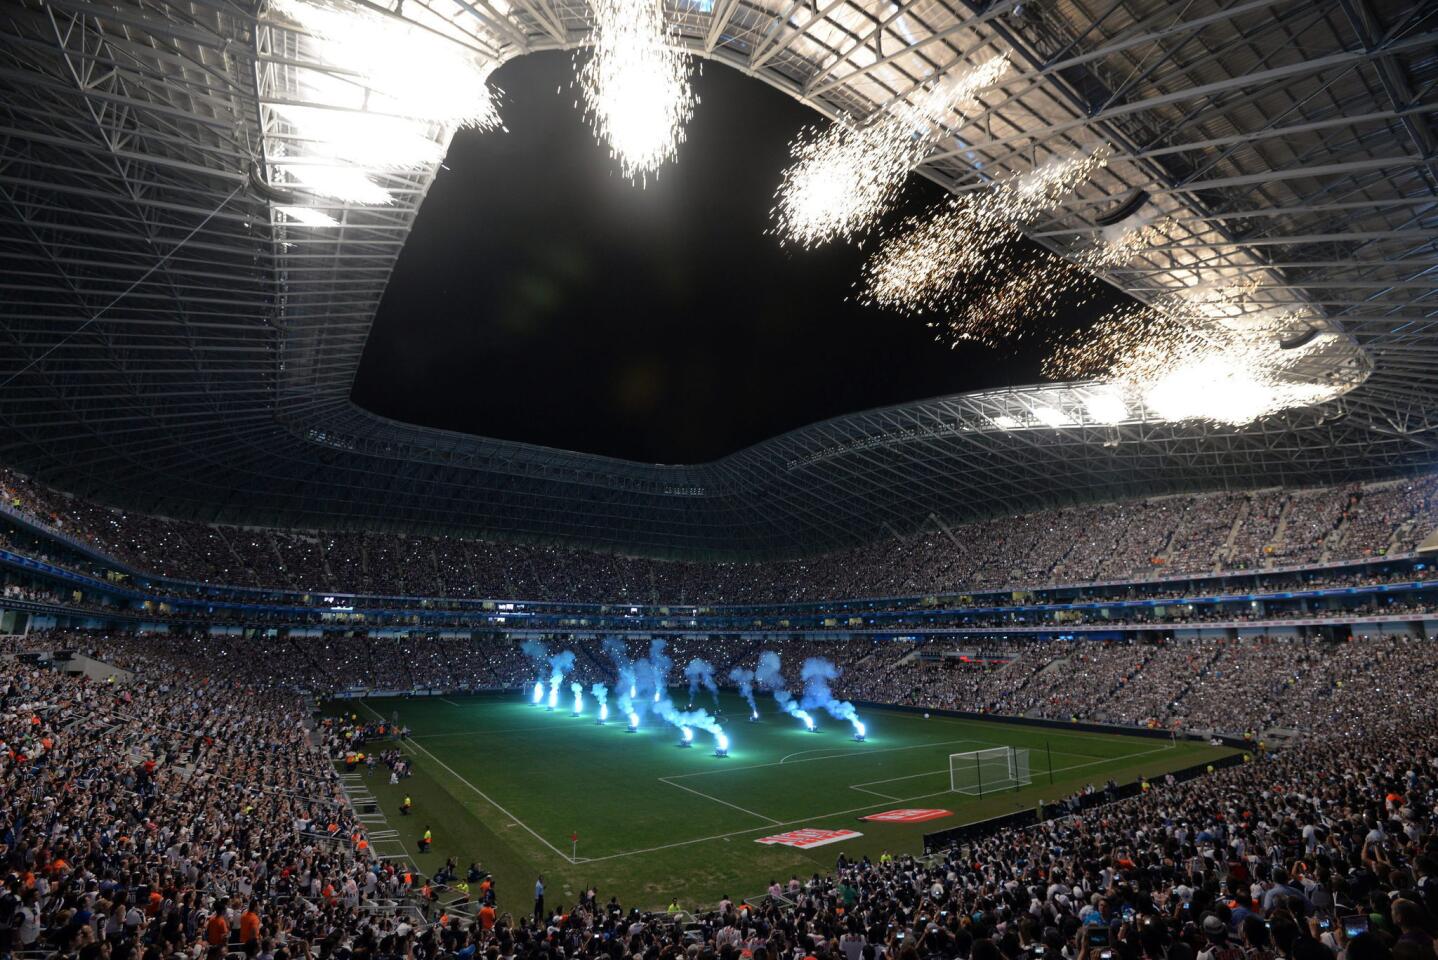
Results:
<point x="1208" y="354"/>
<point x="997" y="300"/>
<point x="997" y="304"/>
<point x="921" y="266"/>
<point x="844" y="177"/>
<point x="935" y="262"/>
<point x="636" y="86"/>
<point x="1118" y="338"/>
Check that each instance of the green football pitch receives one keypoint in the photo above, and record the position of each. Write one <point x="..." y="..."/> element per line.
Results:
<point x="509" y="784"/>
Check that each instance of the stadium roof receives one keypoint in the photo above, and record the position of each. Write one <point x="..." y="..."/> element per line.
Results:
<point x="176" y="343"/>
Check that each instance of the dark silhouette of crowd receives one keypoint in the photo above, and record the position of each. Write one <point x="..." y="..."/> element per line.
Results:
<point x="1173" y="536"/>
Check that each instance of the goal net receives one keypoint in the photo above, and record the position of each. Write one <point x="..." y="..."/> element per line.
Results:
<point x="980" y="772"/>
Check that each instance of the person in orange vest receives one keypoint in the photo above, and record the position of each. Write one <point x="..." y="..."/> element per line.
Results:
<point x="426" y="840"/>
<point x="250" y="924"/>
<point x="217" y="928"/>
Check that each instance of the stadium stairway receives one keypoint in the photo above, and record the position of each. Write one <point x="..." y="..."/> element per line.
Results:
<point x="1053" y="666"/>
<point x="1280" y="534"/>
<point x="1427" y="545"/>
<point x="1202" y="670"/>
<point x="885" y="668"/>
<point x="384" y="840"/>
<point x="1127" y="681"/>
<point x="1239" y="519"/>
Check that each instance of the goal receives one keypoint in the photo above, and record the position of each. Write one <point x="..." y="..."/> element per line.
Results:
<point x="980" y="772"/>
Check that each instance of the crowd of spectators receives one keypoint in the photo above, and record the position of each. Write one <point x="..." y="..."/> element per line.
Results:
<point x="1230" y="685"/>
<point x="1196" y="684"/>
<point x="1185" y="536"/>
<point x="161" y="810"/>
<point x="187" y="809"/>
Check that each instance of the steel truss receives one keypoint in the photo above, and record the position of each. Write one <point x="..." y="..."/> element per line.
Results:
<point x="177" y="346"/>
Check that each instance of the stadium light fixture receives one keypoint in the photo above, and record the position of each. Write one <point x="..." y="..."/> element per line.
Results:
<point x="1213" y="351"/>
<point x="1106" y="406"/>
<point x="308" y="216"/>
<point x="1049" y="416"/>
<point x="393" y="64"/>
<point x="352" y="136"/>
<point x="336" y="182"/>
<point x="367" y="90"/>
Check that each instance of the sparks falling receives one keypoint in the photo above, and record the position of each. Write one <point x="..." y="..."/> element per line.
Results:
<point x="935" y="261"/>
<point x="844" y="177"/>
<point x="1204" y="354"/>
<point x="635" y="85"/>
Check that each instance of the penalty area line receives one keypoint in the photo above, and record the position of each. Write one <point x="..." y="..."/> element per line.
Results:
<point x="734" y="806"/>
<point x="875" y="793"/>
<point x="856" y="753"/>
<point x="487" y="799"/>
<point x="840" y="813"/>
<point x="832" y="755"/>
<point x="1092" y="762"/>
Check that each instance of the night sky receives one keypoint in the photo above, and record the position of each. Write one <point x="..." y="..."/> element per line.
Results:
<point x="542" y="298"/>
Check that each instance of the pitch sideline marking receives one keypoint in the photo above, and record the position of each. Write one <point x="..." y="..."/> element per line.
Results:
<point x="481" y="731"/>
<point x="486" y="796"/>
<point x="736" y="833"/>
<point x="726" y="803"/>
<point x="840" y="813"/>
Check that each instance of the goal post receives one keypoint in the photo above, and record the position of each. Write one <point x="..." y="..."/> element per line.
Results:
<point x="980" y="772"/>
